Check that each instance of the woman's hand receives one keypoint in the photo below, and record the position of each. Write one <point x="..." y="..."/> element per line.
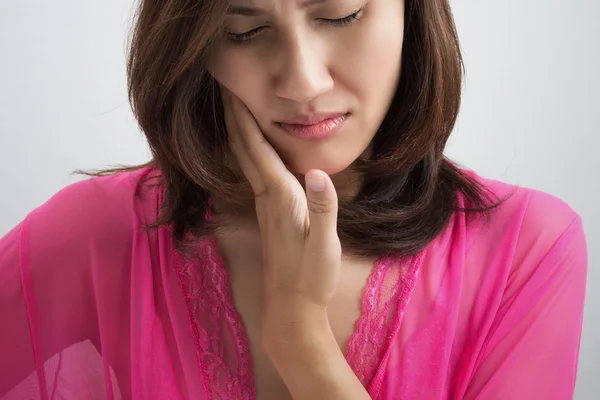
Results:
<point x="300" y="246"/>
<point x="301" y="263"/>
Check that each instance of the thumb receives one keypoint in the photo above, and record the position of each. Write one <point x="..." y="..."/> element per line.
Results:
<point x="322" y="205"/>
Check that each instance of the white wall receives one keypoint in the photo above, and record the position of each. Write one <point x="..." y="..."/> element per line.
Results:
<point x="530" y="114"/>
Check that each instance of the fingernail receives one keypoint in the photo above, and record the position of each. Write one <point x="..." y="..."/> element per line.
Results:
<point x="315" y="183"/>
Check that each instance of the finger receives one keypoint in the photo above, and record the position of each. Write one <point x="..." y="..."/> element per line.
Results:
<point x="322" y="202"/>
<point x="237" y="146"/>
<point x="263" y="156"/>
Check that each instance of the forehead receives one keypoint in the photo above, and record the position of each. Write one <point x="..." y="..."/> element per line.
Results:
<point x="259" y="3"/>
<point x="257" y="7"/>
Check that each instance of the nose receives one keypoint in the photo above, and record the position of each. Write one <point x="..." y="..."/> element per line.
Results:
<point x="303" y="74"/>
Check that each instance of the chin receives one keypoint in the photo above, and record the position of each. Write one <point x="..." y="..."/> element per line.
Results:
<point x="329" y="166"/>
<point x="331" y="158"/>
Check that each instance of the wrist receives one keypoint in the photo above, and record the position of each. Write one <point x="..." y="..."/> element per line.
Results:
<point x="307" y="349"/>
<point x="315" y="367"/>
<point x="297" y="334"/>
<point x="290" y="317"/>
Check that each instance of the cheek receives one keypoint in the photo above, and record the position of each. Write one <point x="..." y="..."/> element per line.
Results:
<point x="224" y="71"/>
<point x="248" y="83"/>
<point x="369" y="65"/>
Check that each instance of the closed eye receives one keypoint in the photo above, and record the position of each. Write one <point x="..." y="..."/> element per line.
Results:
<point x="345" y="21"/>
<point x="338" y="22"/>
<point x="246" y="36"/>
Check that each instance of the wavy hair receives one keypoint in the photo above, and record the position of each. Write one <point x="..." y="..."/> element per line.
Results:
<point x="410" y="189"/>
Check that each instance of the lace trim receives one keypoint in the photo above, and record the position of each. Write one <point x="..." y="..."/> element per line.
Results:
<point x="188" y="303"/>
<point x="381" y="316"/>
<point x="216" y="324"/>
<point x="409" y="281"/>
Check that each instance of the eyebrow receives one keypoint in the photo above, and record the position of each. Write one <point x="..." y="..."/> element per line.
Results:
<point x="254" y="12"/>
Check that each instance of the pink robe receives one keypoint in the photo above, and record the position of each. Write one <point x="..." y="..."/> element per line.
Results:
<point x="94" y="306"/>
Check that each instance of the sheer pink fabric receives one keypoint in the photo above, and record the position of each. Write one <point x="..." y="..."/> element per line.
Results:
<point x="95" y="306"/>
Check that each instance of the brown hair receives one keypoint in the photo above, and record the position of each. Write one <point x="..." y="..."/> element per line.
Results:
<point x="410" y="188"/>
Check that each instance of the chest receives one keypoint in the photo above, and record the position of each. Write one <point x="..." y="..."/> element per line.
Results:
<point x="244" y="264"/>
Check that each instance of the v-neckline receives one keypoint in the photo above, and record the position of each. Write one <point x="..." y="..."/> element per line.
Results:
<point x="218" y="329"/>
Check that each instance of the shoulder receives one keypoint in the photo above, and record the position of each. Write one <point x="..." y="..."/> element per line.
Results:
<point x="533" y="212"/>
<point x="101" y="211"/>
<point x="527" y="226"/>
<point x="88" y="232"/>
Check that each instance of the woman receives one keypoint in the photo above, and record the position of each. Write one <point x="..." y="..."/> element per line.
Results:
<point x="299" y="232"/>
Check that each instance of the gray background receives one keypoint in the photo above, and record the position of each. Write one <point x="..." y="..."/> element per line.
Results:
<point x="530" y="113"/>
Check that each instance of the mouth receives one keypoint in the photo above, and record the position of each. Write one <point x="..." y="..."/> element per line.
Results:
<point x="314" y="126"/>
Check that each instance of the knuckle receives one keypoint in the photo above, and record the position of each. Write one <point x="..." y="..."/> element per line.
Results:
<point x="320" y="206"/>
<point x="261" y="193"/>
<point x="283" y="198"/>
<point x="252" y="150"/>
<point x="282" y="190"/>
<point x="255" y="145"/>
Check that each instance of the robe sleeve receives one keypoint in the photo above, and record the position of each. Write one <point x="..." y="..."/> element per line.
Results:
<point x="50" y="346"/>
<point x="532" y="350"/>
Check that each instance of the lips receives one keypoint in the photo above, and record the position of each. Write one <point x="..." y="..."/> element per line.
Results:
<point x="314" y="126"/>
<point x="311" y="119"/>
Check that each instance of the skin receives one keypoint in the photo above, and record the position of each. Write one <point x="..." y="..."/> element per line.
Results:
<point x="299" y="64"/>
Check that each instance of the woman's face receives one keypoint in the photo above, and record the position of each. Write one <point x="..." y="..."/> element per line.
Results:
<point x="318" y="75"/>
